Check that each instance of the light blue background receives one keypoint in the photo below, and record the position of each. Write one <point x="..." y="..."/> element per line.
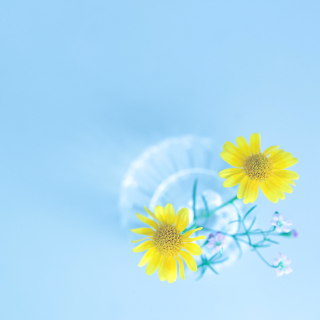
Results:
<point x="86" y="86"/>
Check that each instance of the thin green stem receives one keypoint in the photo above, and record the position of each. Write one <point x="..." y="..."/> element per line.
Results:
<point x="194" y="194"/>
<point x="201" y="216"/>
<point x="237" y="237"/>
<point x="263" y="259"/>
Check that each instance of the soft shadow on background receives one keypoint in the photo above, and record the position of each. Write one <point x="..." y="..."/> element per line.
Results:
<point x="86" y="86"/>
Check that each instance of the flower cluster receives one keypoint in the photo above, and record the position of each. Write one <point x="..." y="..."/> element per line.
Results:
<point x="168" y="241"/>
<point x="247" y="235"/>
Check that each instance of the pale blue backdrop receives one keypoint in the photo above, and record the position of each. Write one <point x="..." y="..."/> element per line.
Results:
<point x="86" y="86"/>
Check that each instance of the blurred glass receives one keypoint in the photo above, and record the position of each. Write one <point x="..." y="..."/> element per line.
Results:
<point x="166" y="173"/>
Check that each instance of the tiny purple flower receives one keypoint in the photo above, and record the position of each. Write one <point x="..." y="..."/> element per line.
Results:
<point x="282" y="263"/>
<point x="216" y="242"/>
<point x="280" y="223"/>
<point x="294" y="233"/>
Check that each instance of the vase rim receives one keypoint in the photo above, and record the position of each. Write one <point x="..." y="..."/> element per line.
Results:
<point x="174" y="177"/>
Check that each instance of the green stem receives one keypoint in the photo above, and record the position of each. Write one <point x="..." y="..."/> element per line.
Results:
<point x="263" y="259"/>
<point x="216" y="209"/>
<point x="236" y="236"/>
<point x="195" y="225"/>
<point x="249" y="243"/>
<point x="194" y="193"/>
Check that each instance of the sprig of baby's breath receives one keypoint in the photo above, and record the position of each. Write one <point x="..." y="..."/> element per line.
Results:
<point x="246" y="234"/>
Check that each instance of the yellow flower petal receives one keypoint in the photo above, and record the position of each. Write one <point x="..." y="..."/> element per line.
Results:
<point x="243" y="146"/>
<point x="181" y="267"/>
<point x="269" y="150"/>
<point x="268" y="192"/>
<point x="234" y="180"/>
<point x="243" y="187"/>
<point x="150" y="213"/>
<point x="287" y="174"/>
<point x="159" y="212"/>
<point x="182" y="219"/>
<point x="191" y="263"/>
<point x="227" y="173"/>
<point x="281" y="183"/>
<point x="134" y="241"/>
<point x="193" y="248"/>
<point x="171" y="269"/>
<point x="255" y="142"/>
<point x="290" y="182"/>
<point x="170" y="214"/>
<point x="147" y="256"/>
<point x="276" y="155"/>
<point x="143" y="246"/>
<point x="194" y="239"/>
<point x="276" y="189"/>
<point x="231" y="148"/>
<point x="154" y="263"/>
<point x="162" y="269"/>
<point x="190" y="232"/>
<point x="286" y="163"/>
<point x="247" y="192"/>
<point x="253" y="190"/>
<point x="148" y="221"/>
<point x="231" y="159"/>
<point x="285" y="181"/>
<point x="145" y="231"/>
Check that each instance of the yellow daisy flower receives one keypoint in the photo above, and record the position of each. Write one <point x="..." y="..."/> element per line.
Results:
<point x="166" y="243"/>
<point x="254" y="169"/>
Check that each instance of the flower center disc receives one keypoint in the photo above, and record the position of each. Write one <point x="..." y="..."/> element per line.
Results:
<point x="257" y="167"/>
<point x="167" y="241"/>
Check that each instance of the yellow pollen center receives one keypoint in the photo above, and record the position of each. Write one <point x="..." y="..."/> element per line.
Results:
<point x="257" y="167"/>
<point x="167" y="241"/>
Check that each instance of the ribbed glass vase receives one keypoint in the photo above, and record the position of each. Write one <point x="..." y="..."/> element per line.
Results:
<point x="166" y="173"/>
